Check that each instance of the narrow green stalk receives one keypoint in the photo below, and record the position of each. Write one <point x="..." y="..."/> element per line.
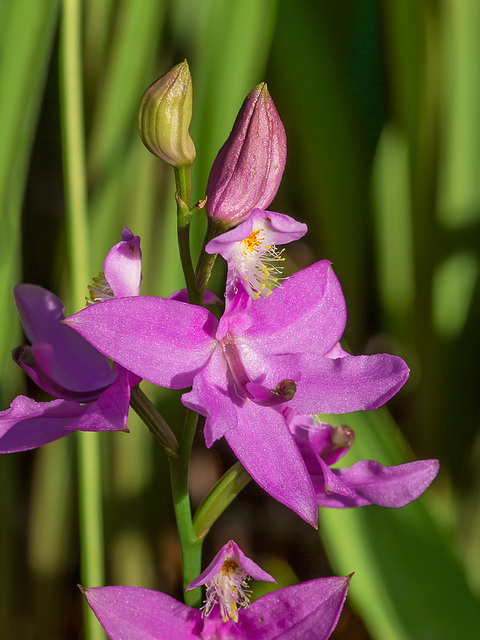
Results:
<point x="90" y="493"/>
<point x="183" y="182"/>
<point x="190" y="544"/>
<point x="223" y="493"/>
<point x="147" y="411"/>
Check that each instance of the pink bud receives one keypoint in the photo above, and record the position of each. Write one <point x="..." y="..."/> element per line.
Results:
<point x="248" y="169"/>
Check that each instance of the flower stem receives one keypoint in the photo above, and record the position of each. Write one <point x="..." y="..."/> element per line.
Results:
<point x="90" y="487"/>
<point x="183" y="182"/>
<point x="190" y="544"/>
<point x="218" y="499"/>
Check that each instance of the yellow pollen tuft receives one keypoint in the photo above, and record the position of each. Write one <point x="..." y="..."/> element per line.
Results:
<point x="253" y="242"/>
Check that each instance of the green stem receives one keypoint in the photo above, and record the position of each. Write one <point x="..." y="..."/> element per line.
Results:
<point x="190" y="544"/>
<point x="155" y="422"/>
<point x="223" y="493"/>
<point x="183" y="182"/>
<point x="90" y="487"/>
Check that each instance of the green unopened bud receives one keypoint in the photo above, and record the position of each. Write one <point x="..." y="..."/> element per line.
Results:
<point x="164" y="117"/>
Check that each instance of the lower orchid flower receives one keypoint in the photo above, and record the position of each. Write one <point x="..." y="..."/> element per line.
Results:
<point x="365" y="482"/>
<point x="308" y="610"/>
<point x="278" y="349"/>
<point x="91" y="396"/>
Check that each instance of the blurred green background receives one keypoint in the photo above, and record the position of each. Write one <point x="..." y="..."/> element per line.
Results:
<point x="381" y="102"/>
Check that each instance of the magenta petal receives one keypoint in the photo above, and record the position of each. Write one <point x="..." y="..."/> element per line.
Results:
<point x="266" y="448"/>
<point x="280" y="229"/>
<point x="110" y="411"/>
<point x="319" y="469"/>
<point x="307" y="313"/>
<point x="213" y="396"/>
<point x="308" y="611"/>
<point x="131" y="613"/>
<point x="123" y="266"/>
<point x="64" y="364"/>
<point x="351" y="383"/>
<point x="231" y="550"/>
<point x="164" y="341"/>
<point x="384" y="486"/>
<point x="29" y="424"/>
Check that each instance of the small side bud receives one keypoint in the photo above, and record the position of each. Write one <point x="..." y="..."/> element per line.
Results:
<point x="248" y="169"/>
<point x="285" y="389"/>
<point x="164" y="117"/>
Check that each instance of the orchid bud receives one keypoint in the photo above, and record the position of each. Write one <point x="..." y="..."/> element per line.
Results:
<point x="248" y="169"/>
<point x="164" y="117"/>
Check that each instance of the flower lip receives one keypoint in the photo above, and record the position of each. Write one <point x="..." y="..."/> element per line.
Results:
<point x="251" y="251"/>
<point x="226" y="581"/>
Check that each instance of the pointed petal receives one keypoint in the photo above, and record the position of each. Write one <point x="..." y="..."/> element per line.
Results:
<point x="351" y="383"/>
<point x="308" y="610"/>
<point x="123" y="266"/>
<point x="307" y="313"/>
<point x="110" y="411"/>
<point x="213" y="395"/>
<point x="29" y="424"/>
<point x="320" y="470"/>
<point x="279" y="229"/>
<point x="231" y="550"/>
<point x="266" y="448"/>
<point x="164" y="341"/>
<point x="132" y="613"/>
<point x="385" y="486"/>
<point x="64" y="363"/>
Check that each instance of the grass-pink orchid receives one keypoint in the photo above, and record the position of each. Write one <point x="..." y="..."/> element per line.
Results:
<point x="243" y="367"/>
<point x="308" y="610"/>
<point x="251" y="252"/>
<point x="365" y="482"/>
<point x="91" y="396"/>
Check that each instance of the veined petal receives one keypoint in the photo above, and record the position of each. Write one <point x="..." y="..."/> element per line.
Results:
<point x="29" y="424"/>
<point x="307" y="610"/>
<point x="110" y="411"/>
<point x="60" y="361"/>
<point x="320" y="469"/>
<point x="307" y="313"/>
<point x="132" y="613"/>
<point x="214" y="396"/>
<point x="164" y="341"/>
<point x="123" y="266"/>
<point x="277" y="228"/>
<point x="351" y="383"/>
<point x="266" y="448"/>
<point x="229" y="551"/>
<point x="384" y="486"/>
<point x="251" y="252"/>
